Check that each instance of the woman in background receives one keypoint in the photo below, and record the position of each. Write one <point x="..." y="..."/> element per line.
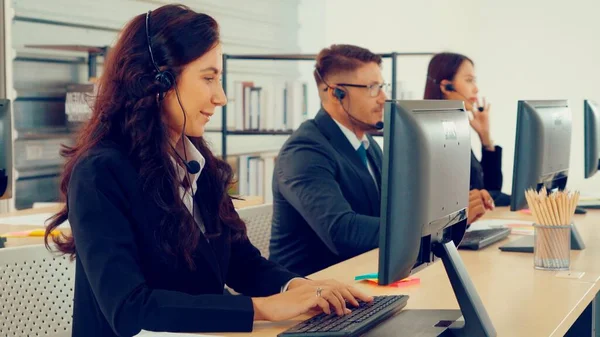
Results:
<point x="452" y="76"/>
<point x="155" y="235"/>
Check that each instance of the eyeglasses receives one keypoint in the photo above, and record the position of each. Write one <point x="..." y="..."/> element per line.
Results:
<point x="374" y="89"/>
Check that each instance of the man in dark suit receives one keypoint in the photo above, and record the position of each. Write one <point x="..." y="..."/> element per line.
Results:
<point x="327" y="178"/>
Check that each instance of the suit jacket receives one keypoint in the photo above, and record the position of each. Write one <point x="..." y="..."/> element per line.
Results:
<point x="124" y="282"/>
<point x="325" y="203"/>
<point x="487" y="174"/>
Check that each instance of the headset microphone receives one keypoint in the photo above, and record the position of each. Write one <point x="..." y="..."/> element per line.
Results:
<point x="192" y="166"/>
<point x="166" y="80"/>
<point x="377" y="126"/>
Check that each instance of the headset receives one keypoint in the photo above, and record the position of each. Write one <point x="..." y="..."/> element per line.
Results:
<point x="340" y="94"/>
<point x="451" y="87"/>
<point x="166" y="80"/>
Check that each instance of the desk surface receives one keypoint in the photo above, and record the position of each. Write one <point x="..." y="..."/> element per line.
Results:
<point x="520" y="300"/>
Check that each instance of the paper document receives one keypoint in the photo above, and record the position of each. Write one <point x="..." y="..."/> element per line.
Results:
<point x="518" y="227"/>
<point x="37" y="220"/>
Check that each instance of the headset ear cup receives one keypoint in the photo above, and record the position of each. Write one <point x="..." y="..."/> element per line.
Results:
<point x="164" y="80"/>
<point x="450" y="87"/>
<point x="339" y="93"/>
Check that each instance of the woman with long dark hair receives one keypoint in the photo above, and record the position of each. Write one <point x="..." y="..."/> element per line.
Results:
<point x="452" y="76"/>
<point x="155" y="235"/>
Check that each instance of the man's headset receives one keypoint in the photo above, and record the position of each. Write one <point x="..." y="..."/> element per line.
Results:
<point x="340" y="94"/>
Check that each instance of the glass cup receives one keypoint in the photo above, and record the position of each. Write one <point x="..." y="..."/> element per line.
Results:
<point x="552" y="247"/>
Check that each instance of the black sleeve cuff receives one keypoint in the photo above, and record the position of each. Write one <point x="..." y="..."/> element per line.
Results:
<point x="491" y="163"/>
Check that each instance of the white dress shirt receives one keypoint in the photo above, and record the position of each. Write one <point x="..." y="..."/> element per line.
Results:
<point x="187" y="194"/>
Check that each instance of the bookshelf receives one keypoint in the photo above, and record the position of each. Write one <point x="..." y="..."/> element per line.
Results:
<point x="78" y="96"/>
<point x="93" y="53"/>
<point x="255" y="162"/>
<point x="225" y="132"/>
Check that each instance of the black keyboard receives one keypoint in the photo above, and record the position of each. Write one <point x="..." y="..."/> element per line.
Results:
<point x="363" y="318"/>
<point x="478" y="239"/>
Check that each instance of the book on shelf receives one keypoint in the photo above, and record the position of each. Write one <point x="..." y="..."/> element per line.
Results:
<point x="269" y="106"/>
<point x="253" y="175"/>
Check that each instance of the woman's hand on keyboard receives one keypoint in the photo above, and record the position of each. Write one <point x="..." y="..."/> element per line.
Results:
<point x="301" y="297"/>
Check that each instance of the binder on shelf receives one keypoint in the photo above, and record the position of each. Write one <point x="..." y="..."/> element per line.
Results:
<point x="254" y="174"/>
<point x="254" y="108"/>
<point x="274" y="106"/>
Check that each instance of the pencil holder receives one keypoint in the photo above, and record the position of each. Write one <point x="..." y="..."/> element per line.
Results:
<point x="552" y="247"/>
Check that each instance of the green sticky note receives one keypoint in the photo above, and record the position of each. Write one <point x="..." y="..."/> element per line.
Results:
<point x="366" y="276"/>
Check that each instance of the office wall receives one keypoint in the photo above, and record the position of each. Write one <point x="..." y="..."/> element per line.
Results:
<point x="385" y="26"/>
<point x="38" y="78"/>
<point x="539" y="50"/>
<point x="522" y="49"/>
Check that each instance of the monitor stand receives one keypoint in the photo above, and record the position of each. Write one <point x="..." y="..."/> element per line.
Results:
<point x="476" y="319"/>
<point x="417" y="322"/>
<point x="443" y="323"/>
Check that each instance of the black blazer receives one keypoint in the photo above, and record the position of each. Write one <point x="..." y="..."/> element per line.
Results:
<point x="487" y="174"/>
<point x="125" y="283"/>
<point x="325" y="203"/>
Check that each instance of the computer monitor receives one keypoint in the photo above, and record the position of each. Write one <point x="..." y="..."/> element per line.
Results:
<point x="542" y="148"/>
<point x="424" y="199"/>
<point x="5" y="150"/>
<point x="591" y="122"/>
